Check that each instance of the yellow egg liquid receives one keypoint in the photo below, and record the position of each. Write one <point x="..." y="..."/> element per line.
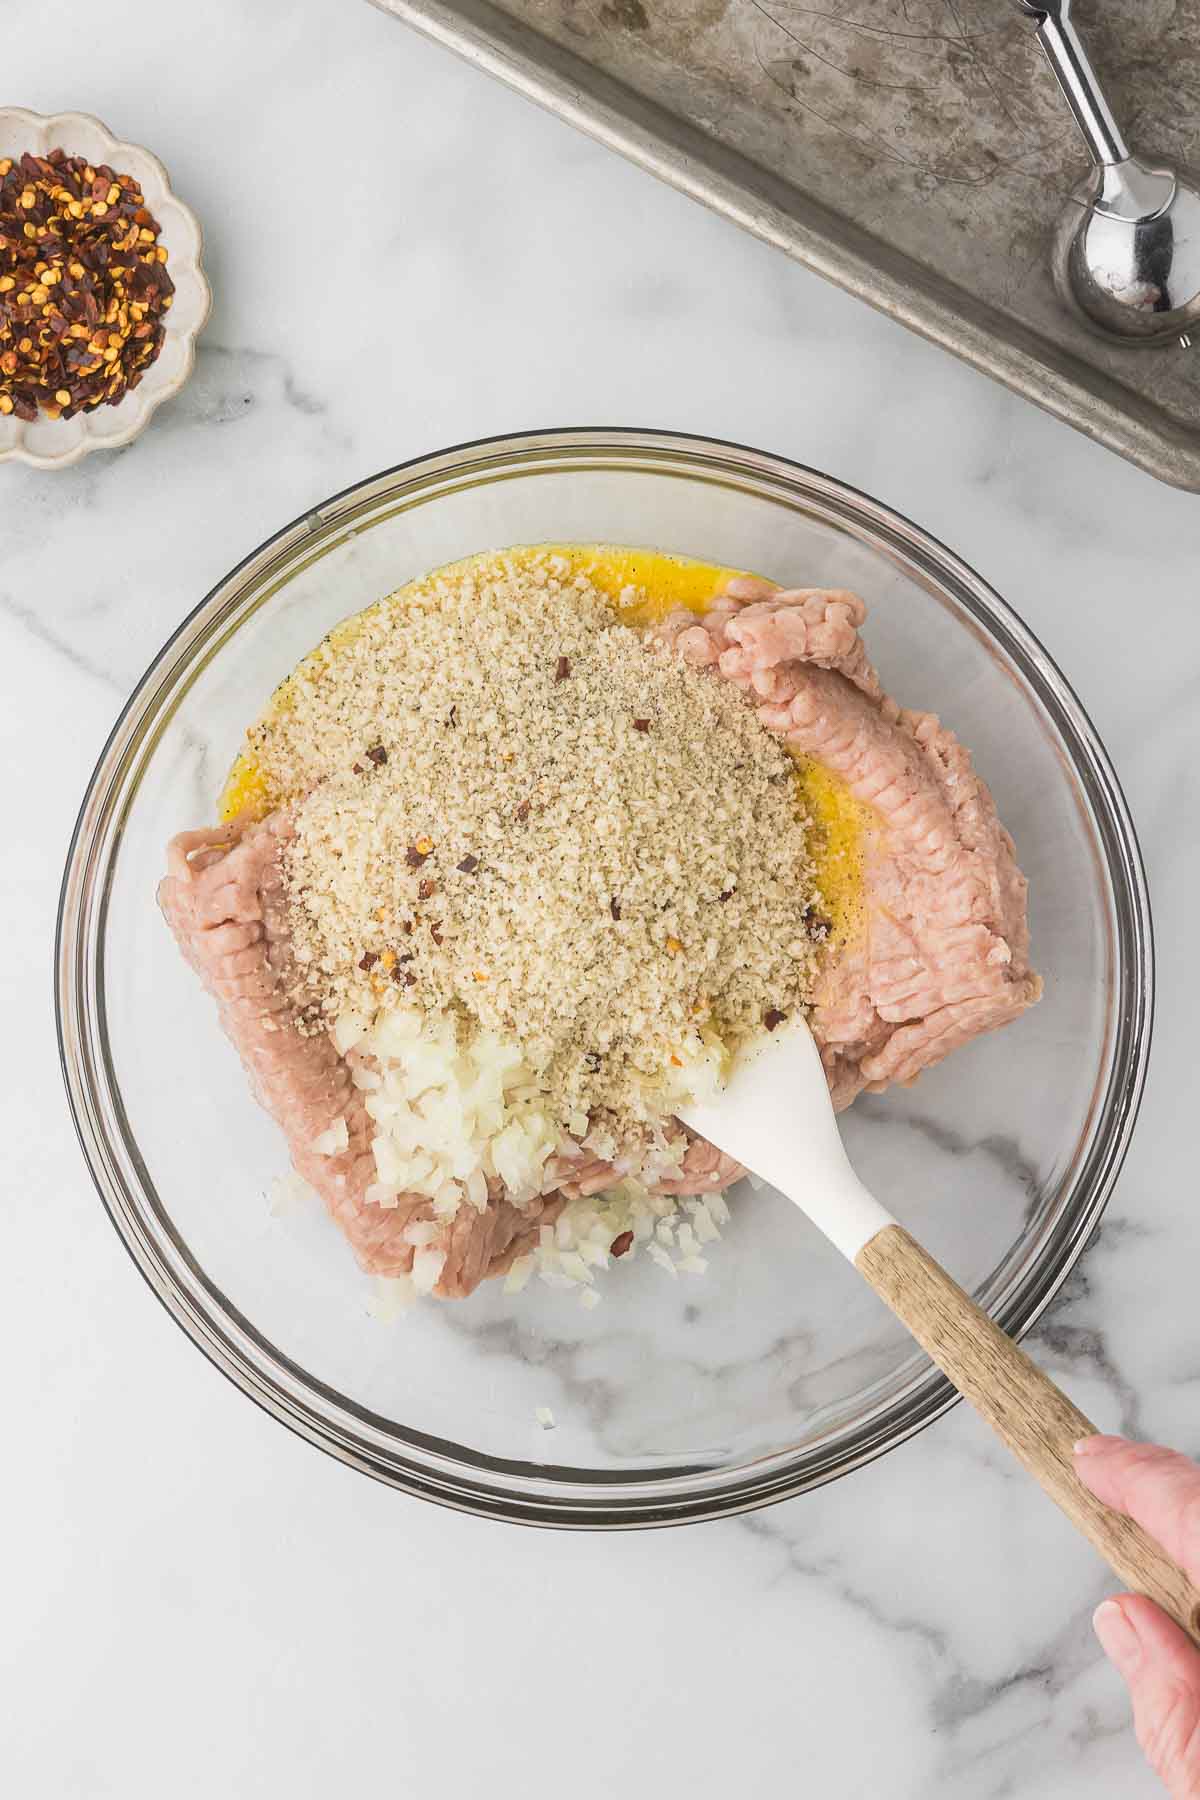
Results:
<point x="662" y="582"/>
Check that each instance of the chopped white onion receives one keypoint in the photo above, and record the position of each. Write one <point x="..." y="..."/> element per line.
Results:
<point x="518" y="1275"/>
<point x="426" y="1270"/>
<point x="334" y="1140"/>
<point x="421" y="1233"/>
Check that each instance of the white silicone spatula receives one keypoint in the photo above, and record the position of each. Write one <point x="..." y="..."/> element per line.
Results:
<point x="776" y="1117"/>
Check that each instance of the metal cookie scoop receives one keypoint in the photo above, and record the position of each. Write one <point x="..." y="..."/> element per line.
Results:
<point x="1127" y="248"/>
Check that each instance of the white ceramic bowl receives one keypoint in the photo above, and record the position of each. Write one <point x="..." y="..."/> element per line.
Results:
<point x="55" y="443"/>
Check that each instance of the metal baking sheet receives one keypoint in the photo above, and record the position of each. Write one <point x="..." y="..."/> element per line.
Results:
<point x="914" y="151"/>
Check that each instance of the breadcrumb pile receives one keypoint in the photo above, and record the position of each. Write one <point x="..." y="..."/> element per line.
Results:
<point x="518" y="811"/>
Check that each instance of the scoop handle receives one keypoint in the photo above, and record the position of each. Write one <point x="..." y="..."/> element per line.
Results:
<point x="1023" y="1406"/>
<point x="1078" y="80"/>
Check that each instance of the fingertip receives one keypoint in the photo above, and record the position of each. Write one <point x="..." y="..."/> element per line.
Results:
<point x="1098" y="1442"/>
<point x="1118" y="1638"/>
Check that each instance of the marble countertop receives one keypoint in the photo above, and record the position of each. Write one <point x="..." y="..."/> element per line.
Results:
<point x="195" y="1602"/>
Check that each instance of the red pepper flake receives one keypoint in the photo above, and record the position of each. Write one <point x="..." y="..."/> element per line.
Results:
<point x="427" y="890"/>
<point x="641" y="724"/>
<point x="83" y="287"/>
<point x="614" y="907"/>
<point x="468" y="865"/>
<point x="452" y="721"/>
<point x="562" y="668"/>
<point x="816" y="924"/>
<point x="358" y="769"/>
<point x="378" y="755"/>
<point x="404" y="977"/>
<point x="727" y="894"/>
<point x="415" y="855"/>
<point x="773" y="1018"/>
<point x="622" y="1243"/>
<point x="435" y="931"/>
<point x="368" y="960"/>
<point x="523" y="811"/>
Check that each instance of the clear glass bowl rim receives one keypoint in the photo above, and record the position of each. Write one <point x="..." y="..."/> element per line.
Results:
<point x="414" y="1462"/>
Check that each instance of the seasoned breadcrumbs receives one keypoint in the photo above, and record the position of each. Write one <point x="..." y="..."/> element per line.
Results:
<point x="523" y="811"/>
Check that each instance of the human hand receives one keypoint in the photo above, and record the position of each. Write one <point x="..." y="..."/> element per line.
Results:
<point x="1161" y="1491"/>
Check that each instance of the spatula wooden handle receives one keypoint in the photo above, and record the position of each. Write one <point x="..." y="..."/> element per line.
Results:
<point x="1023" y="1406"/>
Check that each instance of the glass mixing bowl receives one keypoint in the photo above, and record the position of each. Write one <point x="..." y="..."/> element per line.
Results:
<point x="674" y="1399"/>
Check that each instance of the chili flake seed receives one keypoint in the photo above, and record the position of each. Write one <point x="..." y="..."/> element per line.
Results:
<point x="83" y="289"/>
<point x="423" y="846"/>
<point x="674" y="947"/>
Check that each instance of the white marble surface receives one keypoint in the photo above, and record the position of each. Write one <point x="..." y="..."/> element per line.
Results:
<point x="195" y="1602"/>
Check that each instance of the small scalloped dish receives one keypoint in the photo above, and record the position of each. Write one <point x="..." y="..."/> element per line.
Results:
<point x="47" y="443"/>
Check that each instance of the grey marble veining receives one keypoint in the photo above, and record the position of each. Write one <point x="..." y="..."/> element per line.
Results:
<point x="193" y="1589"/>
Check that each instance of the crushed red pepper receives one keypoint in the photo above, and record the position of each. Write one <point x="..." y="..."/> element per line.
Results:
<point x="83" y="286"/>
